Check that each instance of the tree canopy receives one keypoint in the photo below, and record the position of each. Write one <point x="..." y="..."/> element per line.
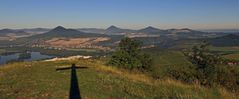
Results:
<point x="129" y="55"/>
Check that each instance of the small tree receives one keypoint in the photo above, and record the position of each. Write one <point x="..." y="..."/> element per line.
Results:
<point x="130" y="56"/>
<point x="205" y="62"/>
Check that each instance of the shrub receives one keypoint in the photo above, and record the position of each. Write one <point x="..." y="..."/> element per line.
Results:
<point x="130" y="56"/>
<point x="211" y="69"/>
<point x="227" y="76"/>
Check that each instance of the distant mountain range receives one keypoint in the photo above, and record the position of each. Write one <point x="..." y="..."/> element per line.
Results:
<point x="221" y="30"/>
<point x="149" y="29"/>
<point x="91" y="30"/>
<point x="35" y="30"/>
<point x="227" y="40"/>
<point x="63" y="32"/>
<point x="43" y="33"/>
<point x="116" y="30"/>
<point x="150" y="35"/>
<point x="22" y="32"/>
<point x="5" y="32"/>
<point x="184" y="30"/>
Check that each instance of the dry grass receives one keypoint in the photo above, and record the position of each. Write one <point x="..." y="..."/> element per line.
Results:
<point x="74" y="42"/>
<point x="40" y="80"/>
<point x="90" y="42"/>
<point x="232" y="56"/>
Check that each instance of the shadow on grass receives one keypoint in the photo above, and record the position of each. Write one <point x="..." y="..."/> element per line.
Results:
<point x="74" y="87"/>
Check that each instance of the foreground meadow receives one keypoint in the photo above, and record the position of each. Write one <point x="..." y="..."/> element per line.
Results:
<point x="40" y="80"/>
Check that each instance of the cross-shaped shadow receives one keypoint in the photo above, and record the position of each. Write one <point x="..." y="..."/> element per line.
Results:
<point x="74" y="87"/>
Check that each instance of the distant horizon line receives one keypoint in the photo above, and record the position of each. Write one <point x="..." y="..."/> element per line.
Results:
<point x="121" y="28"/>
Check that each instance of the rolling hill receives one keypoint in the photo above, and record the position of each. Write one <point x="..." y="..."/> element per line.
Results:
<point x="91" y="30"/>
<point x="149" y="29"/>
<point x="56" y="33"/>
<point x="63" y="32"/>
<point x="149" y="35"/>
<point x="114" y="29"/>
<point x="6" y="32"/>
<point x="227" y="40"/>
<point x="35" y="30"/>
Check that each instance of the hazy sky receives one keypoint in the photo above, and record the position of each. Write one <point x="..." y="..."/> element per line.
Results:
<point x="195" y="14"/>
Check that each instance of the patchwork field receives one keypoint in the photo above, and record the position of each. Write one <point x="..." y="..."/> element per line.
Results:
<point x="77" y="42"/>
<point x="232" y="56"/>
<point x="13" y="36"/>
<point x="225" y="48"/>
<point x="6" y="38"/>
<point x="2" y="51"/>
<point x="228" y="52"/>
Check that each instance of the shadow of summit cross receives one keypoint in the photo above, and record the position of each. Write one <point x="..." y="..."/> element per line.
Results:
<point x="74" y="87"/>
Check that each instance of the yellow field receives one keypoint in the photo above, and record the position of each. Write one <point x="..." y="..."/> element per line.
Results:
<point x="77" y="42"/>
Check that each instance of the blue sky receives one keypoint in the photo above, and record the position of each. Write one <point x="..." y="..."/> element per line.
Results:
<point x="195" y="14"/>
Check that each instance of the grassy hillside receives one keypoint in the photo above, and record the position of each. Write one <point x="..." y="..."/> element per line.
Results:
<point x="224" y="41"/>
<point x="41" y="80"/>
<point x="232" y="56"/>
<point x="166" y="63"/>
<point x="2" y="51"/>
<point x="227" y="52"/>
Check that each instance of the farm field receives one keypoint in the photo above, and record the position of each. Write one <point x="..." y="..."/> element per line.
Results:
<point x="232" y="56"/>
<point x="2" y="51"/>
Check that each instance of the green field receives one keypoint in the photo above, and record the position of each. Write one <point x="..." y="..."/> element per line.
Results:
<point x="227" y="52"/>
<point x="232" y="56"/>
<point x="41" y="80"/>
<point x="2" y="51"/>
<point x="224" y="48"/>
<point x="169" y="58"/>
<point x="86" y="50"/>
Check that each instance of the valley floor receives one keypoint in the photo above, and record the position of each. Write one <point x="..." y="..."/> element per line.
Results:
<point x="40" y="80"/>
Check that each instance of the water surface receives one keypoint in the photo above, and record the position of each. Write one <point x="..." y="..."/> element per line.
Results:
<point x="34" y="56"/>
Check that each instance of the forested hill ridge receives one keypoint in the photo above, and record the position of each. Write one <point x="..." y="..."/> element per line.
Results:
<point x="63" y="32"/>
<point x="227" y="40"/>
<point x="110" y="30"/>
<point x="107" y="39"/>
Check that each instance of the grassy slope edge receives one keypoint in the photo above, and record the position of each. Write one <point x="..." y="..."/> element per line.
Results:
<point x="41" y="80"/>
